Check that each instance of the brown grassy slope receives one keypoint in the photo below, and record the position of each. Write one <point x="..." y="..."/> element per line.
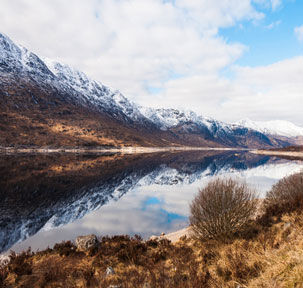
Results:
<point x="31" y="115"/>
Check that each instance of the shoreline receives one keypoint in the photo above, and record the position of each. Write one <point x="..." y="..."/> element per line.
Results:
<point x="175" y="235"/>
<point x="278" y="153"/>
<point x="124" y="150"/>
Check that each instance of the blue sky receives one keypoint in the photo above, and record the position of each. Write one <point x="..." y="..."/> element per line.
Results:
<point x="271" y="39"/>
<point x="226" y="59"/>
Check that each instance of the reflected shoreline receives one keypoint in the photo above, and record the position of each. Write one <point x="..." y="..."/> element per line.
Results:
<point x="55" y="190"/>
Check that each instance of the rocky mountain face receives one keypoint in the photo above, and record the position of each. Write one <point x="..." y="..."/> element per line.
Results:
<point x="45" y="103"/>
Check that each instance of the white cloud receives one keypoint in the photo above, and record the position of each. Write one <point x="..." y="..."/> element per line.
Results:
<point x="270" y="4"/>
<point x="126" y="44"/>
<point x="260" y="93"/>
<point x="138" y="44"/>
<point x="275" y="4"/>
<point x="273" y="25"/>
<point x="299" y="33"/>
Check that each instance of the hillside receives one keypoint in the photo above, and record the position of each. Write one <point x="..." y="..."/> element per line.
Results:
<point x="44" y="103"/>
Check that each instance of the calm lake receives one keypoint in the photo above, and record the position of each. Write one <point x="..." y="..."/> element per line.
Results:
<point x="46" y="199"/>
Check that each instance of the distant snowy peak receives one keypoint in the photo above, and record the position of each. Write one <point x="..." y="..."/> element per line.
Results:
<point x="169" y="118"/>
<point x="275" y="127"/>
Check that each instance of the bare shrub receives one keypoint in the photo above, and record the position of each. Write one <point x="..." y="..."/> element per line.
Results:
<point x="223" y="208"/>
<point x="286" y="196"/>
<point x="3" y="275"/>
<point x="21" y="264"/>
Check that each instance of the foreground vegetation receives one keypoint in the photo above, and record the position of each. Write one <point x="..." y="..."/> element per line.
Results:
<point x="267" y="253"/>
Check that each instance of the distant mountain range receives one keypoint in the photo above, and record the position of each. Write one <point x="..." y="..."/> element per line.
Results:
<point x="44" y="103"/>
<point x="275" y="127"/>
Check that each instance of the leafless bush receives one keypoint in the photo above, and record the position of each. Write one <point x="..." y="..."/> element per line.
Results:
<point x="286" y="196"/>
<point x="221" y="209"/>
<point x="3" y="274"/>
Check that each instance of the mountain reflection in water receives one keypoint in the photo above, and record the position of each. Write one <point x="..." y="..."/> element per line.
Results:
<point x="60" y="195"/>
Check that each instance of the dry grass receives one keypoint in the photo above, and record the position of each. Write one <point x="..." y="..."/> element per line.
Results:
<point x="272" y="258"/>
<point x="267" y="254"/>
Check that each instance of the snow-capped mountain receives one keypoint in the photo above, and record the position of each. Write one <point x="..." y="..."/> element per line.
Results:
<point x="78" y="109"/>
<point x="168" y="118"/>
<point x="94" y="92"/>
<point x="17" y="59"/>
<point x="275" y="127"/>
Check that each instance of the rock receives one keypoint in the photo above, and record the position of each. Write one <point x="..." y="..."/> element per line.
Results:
<point x="84" y="243"/>
<point x="4" y="260"/>
<point x="286" y="225"/>
<point x="162" y="234"/>
<point x="110" y="271"/>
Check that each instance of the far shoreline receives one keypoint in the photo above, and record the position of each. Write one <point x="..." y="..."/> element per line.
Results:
<point x="124" y="150"/>
<point x="290" y="154"/>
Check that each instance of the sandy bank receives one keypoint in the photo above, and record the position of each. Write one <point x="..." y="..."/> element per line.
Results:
<point x="175" y="236"/>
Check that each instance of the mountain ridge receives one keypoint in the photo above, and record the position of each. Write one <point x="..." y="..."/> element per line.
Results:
<point x="79" y="111"/>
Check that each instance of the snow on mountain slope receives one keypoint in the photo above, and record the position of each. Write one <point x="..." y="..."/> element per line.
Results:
<point x="168" y="118"/>
<point x="93" y="91"/>
<point x="78" y="81"/>
<point x="16" y="61"/>
<point x="14" y="58"/>
<point x="275" y="127"/>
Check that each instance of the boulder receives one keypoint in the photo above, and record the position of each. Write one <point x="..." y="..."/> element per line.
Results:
<point x="87" y="242"/>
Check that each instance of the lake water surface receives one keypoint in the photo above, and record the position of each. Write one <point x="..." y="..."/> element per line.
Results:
<point x="46" y="199"/>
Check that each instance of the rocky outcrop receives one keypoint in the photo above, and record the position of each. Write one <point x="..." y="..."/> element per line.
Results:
<point x="87" y="242"/>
